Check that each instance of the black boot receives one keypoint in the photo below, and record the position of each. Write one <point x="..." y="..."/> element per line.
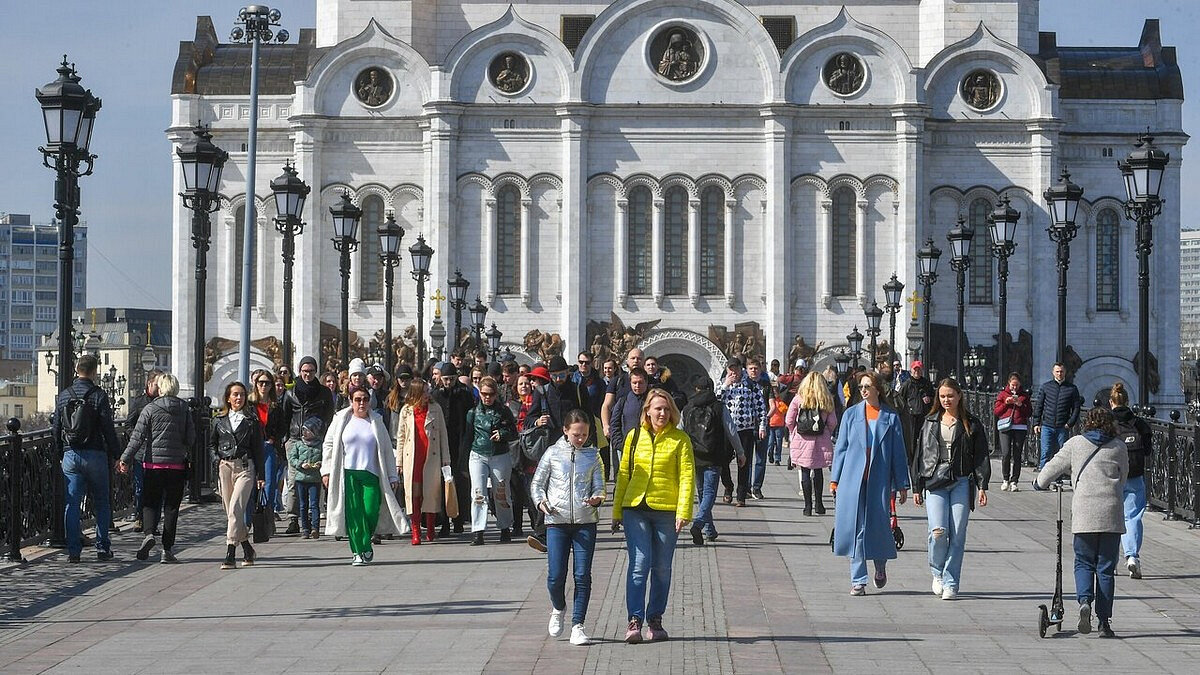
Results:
<point x="247" y="554"/>
<point x="806" y="486"/>
<point x="818" y="488"/>
<point x="477" y="539"/>
<point x="230" y="561"/>
<point x="505" y="536"/>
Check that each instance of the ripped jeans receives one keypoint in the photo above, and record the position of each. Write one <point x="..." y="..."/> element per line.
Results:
<point x="499" y="469"/>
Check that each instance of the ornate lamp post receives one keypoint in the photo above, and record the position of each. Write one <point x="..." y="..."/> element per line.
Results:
<point x="960" y="261"/>
<point x="202" y="163"/>
<point x="493" y="338"/>
<point x="458" y="302"/>
<point x="290" y="194"/>
<point x="1143" y="172"/>
<point x="1063" y="198"/>
<point x="479" y="313"/>
<point x="854" y="339"/>
<point x="874" y="317"/>
<point x="421" y="254"/>
<point x="841" y="362"/>
<point x="927" y="257"/>
<point x="390" y="235"/>
<point x="893" y="291"/>
<point x="255" y="24"/>
<point x="1002" y="228"/>
<point x="345" y="226"/>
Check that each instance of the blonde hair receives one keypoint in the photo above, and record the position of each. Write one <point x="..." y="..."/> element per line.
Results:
<point x="814" y="393"/>
<point x="672" y="410"/>
<point x="168" y="385"/>
<point x="1117" y="396"/>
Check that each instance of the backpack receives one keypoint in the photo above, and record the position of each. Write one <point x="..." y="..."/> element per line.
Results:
<point x="80" y="420"/>
<point x="810" y="422"/>
<point x="1133" y="440"/>
<point x="704" y="426"/>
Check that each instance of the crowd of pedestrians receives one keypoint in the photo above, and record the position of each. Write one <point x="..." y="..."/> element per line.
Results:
<point x="532" y="449"/>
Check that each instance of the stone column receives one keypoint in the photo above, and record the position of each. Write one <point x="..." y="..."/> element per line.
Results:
<point x="526" y="268"/>
<point x="308" y="146"/>
<point x="776" y="138"/>
<point x="440" y="191"/>
<point x="621" y="260"/>
<point x="1040" y="254"/>
<point x="693" y="248"/>
<point x="730" y="257"/>
<point x="860" y="247"/>
<point x="572" y="215"/>
<point x="825" y="253"/>
<point x="656" y="282"/>
<point x="913" y="211"/>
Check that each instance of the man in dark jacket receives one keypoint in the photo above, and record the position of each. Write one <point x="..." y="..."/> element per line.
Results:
<point x="1055" y="411"/>
<point x="563" y="396"/>
<point x="83" y="425"/>
<point x="914" y="399"/>
<point x="456" y="400"/>
<point x="627" y="414"/>
<point x="307" y="398"/>
<point x="715" y="442"/>
<point x="660" y="378"/>
<point x="136" y="405"/>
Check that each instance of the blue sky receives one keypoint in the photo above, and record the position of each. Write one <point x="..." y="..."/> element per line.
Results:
<point x="126" y="50"/>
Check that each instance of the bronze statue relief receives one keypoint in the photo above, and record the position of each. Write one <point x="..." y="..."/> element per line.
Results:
<point x="677" y="53"/>
<point x="373" y="87"/>
<point x="844" y="73"/>
<point x="509" y="72"/>
<point x="980" y="89"/>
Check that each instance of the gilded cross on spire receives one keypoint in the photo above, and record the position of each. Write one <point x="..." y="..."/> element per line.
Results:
<point x="437" y="298"/>
<point x="914" y="300"/>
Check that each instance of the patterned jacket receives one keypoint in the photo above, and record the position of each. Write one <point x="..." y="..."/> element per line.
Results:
<point x="746" y="405"/>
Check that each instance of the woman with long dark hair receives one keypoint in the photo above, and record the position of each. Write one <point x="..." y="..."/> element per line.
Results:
<point x="489" y="429"/>
<point x="950" y="466"/>
<point x="264" y="403"/>
<point x="1012" y="409"/>
<point x="1135" y="433"/>
<point x="236" y="442"/>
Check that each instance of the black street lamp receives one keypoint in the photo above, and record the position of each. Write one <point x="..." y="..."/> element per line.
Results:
<point x="874" y="318"/>
<point x="960" y="261"/>
<point x="842" y="363"/>
<point x="202" y="163"/>
<point x="927" y="256"/>
<point x="421" y="254"/>
<point x="458" y="302"/>
<point x="1002" y="228"/>
<point x="1063" y="198"/>
<point x="854" y="340"/>
<point x="390" y="235"/>
<point x="290" y="195"/>
<point x="493" y="338"/>
<point x="1143" y="173"/>
<point x="893" y="290"/>
<point x="479" y="313"/>
<point x="345" y="226"/>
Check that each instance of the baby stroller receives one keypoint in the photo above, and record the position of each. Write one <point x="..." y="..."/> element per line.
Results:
<point x="1054" y="616"/>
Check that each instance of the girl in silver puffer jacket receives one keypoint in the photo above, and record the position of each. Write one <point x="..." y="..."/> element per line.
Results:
<point x="568" y="487"/>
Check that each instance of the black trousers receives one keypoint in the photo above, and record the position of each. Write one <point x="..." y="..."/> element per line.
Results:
<point x="749" y="439"/>
<point x="165" y="487"/>
<point x="1012" y="445"/>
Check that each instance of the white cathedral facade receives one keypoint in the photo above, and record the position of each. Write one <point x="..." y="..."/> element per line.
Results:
<point x="697" y="162"/>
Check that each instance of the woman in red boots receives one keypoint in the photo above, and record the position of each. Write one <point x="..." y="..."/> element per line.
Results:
<point x="422" y="450"/>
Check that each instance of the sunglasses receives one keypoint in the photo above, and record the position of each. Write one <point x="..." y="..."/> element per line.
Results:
<point x="487" y="393"/>
<point x="866" y="386"/>
<point x="310" y="371"/>
<point x="262" y="382"/>
<point x="584" y="362"/>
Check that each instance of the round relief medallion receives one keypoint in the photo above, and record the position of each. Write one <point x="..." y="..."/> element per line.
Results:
<point x="677" y="53"/>
<point x="373" y="87"/>
<point x="844" y="74"/>
<point x="980" y="89"/>
<point x="509" y="72"/>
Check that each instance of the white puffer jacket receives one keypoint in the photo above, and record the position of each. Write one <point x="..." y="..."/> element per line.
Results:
<point x="564" y="479"/>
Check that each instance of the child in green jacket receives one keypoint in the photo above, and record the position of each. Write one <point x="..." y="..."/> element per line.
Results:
<point x="304" y="456"/>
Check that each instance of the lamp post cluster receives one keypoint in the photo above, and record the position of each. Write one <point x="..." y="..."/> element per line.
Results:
<point x="1002" y="229"/>
<point x="290" y="194"/>
<point x="1063" y="198"/>
<point x="854" y="341"/>
<point x="893" y="290"/>
<point x="976" y="373"/>
<point x="960" y="261"/>
<point x="927" y="259"/>
<point x="874" y="318"/>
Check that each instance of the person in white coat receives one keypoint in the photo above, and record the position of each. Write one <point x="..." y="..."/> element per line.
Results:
<point x="357" y="454"/>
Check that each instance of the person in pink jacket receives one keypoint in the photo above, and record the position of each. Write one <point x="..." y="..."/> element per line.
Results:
<point x="811" y="422"/>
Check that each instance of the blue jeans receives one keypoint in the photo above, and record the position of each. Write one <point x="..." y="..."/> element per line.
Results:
<point x="947" y="511"/>
<point x="273" y="469"/>
<point x="1135" y="507"/>
<point x="650" y="539"/>
<point x="775" y="443"/>
<point x="1095" y="564"/>
<point x="578" y="541"/>
<point x="86" y="473"/>
<point x="137" y="472"/>
<point x="760" y="463"/>
<point x="1052" y="439"/>
<point x="309" y="495"/>
<point x="706" y="486"/>
<point x="858" y="560"/>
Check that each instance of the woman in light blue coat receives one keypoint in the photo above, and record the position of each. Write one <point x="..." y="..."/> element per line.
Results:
<point x="869" y="464"/>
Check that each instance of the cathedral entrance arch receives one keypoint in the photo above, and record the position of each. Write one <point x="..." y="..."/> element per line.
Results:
<point x="686" y="354"/>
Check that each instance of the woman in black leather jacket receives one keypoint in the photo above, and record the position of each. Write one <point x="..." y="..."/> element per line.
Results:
<point x="236" y="443"/>
<point x="950" y="466"/>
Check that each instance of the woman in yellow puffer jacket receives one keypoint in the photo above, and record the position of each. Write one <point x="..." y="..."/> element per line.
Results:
<point x="655" y="487"/>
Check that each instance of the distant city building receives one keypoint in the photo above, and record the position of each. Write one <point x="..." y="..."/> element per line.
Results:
<point x="18" y="390"/>
<point x="118" y="337"/>
<point x="1189" y="294"/>
<point x="29" y="282"/>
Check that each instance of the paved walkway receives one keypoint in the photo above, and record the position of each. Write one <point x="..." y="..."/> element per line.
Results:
<point x="768" y="597"/>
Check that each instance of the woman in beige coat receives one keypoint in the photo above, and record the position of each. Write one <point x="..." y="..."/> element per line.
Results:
<point x="422" y="451"/>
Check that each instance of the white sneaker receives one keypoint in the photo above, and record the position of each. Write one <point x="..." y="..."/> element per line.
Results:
<point x="937" y="586"/>
<point x="1134" y="566"/>
<point x="556" y="623"/>
<point x="578" y="637"/>
<point x="1012" y="487"/>
<point x="949" y="593"/>
<point x="1004" y="486"/>
<point x="358" y="561"/>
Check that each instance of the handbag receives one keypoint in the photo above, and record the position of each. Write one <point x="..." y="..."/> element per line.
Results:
<point x="449" y="494"/>
<point x="263" y="520"/>
<point x="1004" y="423"/>
<point x="534" y="443"/>
<point x="942" y="477"/>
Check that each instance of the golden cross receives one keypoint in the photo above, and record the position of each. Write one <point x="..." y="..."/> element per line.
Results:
<point x="437" y="298"/>
<point x="914" y="299"/>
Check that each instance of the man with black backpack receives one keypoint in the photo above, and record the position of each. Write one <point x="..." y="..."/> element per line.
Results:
<point x="715" y="441"/>
<point x="83" y="425"/>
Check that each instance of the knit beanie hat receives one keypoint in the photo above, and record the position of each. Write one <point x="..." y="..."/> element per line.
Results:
<point x="309" y="360"/>
<point x="358" y="366"/>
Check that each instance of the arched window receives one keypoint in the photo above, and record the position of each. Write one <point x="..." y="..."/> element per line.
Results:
<point x="1108" y="265"/>
<point x="641" y="241"/>
<point x="239" y="246"/>
<point x="370" y="280"/>
<point x="675" y="241"/>
<point x="979" y="278"/>
<point x="843" y="263"/>
<point x="712" y="240"/>
<point x="508" y="240"/>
